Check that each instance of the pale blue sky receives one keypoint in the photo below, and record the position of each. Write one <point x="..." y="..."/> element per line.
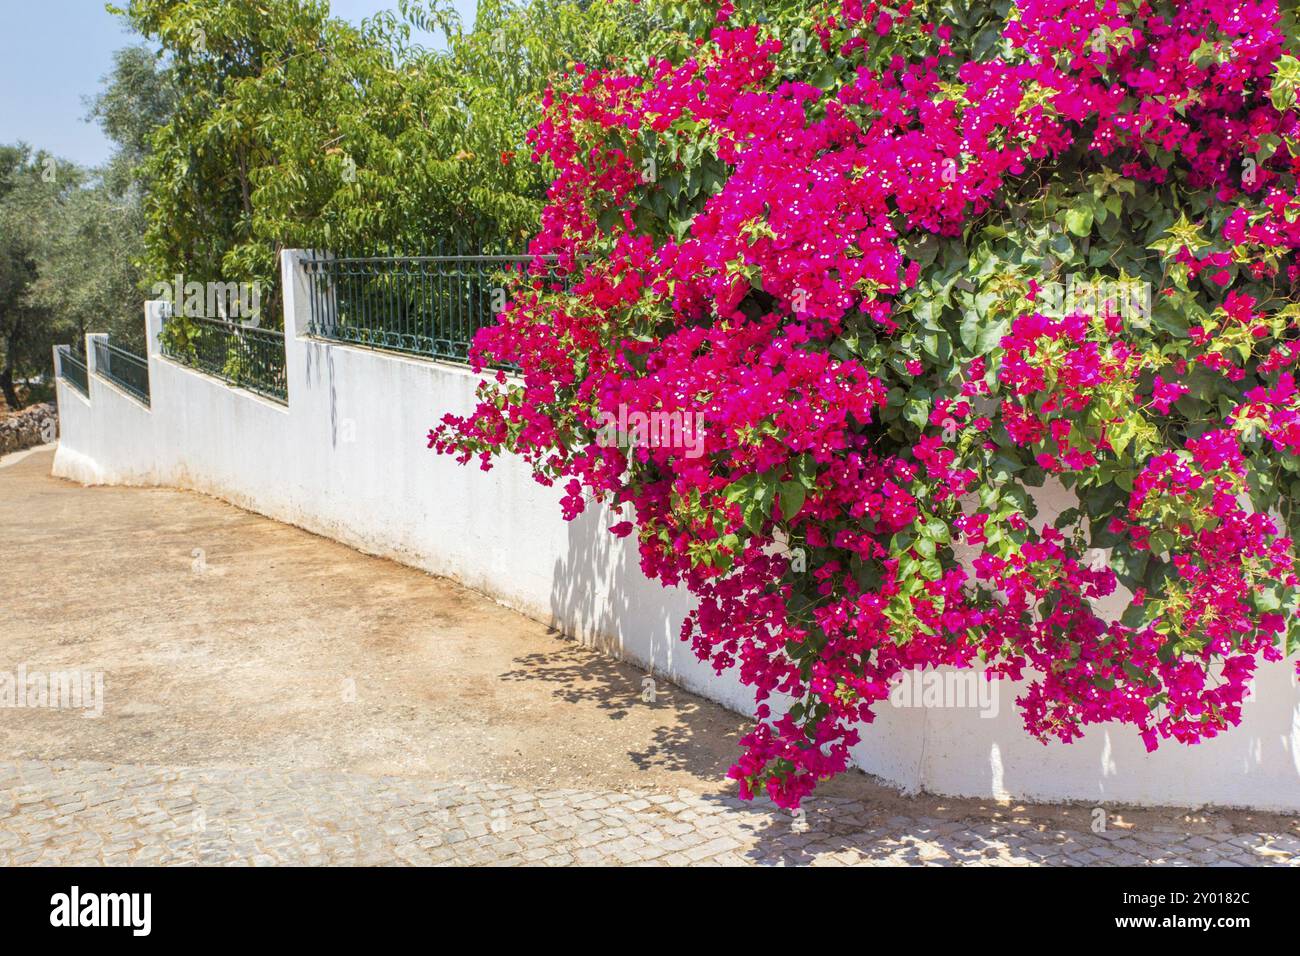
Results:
<point x="54" y="52"/>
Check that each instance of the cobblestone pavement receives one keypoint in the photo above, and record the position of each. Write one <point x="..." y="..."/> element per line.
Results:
<point x="81" y="813"/>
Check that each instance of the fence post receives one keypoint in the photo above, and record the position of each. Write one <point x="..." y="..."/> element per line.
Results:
<point x="155" y="314"/>
<point x="304" y="297"/>
<point x="298" y="288"/>
<point x="92" y="363"/>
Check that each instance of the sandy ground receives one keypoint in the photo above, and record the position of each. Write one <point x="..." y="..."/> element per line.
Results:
<point x="230" y="640"/>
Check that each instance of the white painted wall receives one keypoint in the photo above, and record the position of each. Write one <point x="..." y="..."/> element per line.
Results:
<point x="347" y="458"/>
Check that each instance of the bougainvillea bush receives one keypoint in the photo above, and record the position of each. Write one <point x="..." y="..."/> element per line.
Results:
<point x="906" y="266"/>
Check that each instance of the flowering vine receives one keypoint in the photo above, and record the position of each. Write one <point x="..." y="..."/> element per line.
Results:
<point x="905" y="266"/>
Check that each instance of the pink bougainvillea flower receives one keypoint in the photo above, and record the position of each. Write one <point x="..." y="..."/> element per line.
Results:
<point x="828" y="330"/>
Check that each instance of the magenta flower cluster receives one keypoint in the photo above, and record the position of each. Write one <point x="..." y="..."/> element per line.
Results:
<point x="827" y="555"/>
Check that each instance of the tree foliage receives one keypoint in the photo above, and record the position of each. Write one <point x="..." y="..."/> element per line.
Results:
<point x="70" y="237"/>
<point x="295" y="129"/>
<point x="39" y="197"/>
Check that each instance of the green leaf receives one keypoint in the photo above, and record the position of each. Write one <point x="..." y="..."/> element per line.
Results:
<point x="793" y="495"/>
<point x="1079" y="220"/>
<point x="937" y="530"/>
<point x="1161" y="541"/>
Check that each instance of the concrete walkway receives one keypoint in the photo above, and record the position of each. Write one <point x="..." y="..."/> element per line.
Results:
<point x="270" y="696"/>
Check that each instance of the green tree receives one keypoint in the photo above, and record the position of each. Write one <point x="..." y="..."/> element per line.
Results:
<point x="85" y="252"/>
<point x="138" y="97"/>
<point x="71" y="238"/>
<point x="33" y="189"/>
<point x="292" y="128"/>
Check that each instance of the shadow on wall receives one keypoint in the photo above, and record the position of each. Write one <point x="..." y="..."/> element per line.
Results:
<point x="600" y="596"/>
<point x="981" y="749"/>
<point x="971" y="745"/>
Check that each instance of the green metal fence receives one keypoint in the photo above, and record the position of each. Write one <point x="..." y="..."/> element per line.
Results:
<point x="72" y="369"/>
<point x="244" y="356"/>
<point x="426" y="305"/>
<point x="124" y="369"/>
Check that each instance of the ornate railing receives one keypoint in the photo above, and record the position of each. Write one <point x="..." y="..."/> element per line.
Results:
<point x="72" y="369"/>
<point x="244" y="356"/>
<point x="127" y="370"/>
<point x="425" y="305"/>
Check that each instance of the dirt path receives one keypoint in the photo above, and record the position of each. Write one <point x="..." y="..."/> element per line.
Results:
<point x="227" y="639"/>
<point x="233" y="643"/>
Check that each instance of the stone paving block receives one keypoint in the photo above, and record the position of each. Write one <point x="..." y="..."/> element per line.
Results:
<point x="74" y="814"/>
